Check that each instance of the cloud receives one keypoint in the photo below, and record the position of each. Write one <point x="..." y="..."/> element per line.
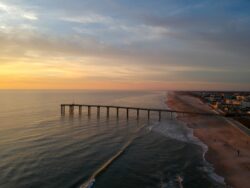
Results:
<point x="127" y="42"/>
<point x="22" y="40"/>
<point x="27" y="42"/>
<point x="208" y="26"/>
<point x="15" y="12"/>
<point x="88" y="19"/>
<point x="114" y="30"/>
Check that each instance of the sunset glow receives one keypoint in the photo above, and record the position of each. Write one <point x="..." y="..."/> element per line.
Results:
<point x="124" y="45"/>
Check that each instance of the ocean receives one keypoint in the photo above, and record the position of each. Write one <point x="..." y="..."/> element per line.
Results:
<point x="41" y="149"/>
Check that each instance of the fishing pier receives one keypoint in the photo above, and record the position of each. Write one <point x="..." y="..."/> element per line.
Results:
<point x="71" y="109"/>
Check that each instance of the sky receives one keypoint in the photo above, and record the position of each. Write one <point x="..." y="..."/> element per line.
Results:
<point x="125" y="44"/>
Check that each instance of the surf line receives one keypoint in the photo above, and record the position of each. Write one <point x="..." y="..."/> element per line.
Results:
<point x="91" y="181"/>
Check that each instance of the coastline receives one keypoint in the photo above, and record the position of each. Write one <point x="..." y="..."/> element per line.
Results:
<point x="223" y="140"/>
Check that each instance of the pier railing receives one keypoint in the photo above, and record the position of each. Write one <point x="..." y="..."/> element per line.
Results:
<point x="80" y="107"/>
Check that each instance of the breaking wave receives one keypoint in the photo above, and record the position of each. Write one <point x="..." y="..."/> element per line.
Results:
<point x="178" y="130"/>
<point x="92" y="179"/>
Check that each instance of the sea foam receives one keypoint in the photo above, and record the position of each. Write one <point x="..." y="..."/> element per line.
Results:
<point x="179" y="130"/>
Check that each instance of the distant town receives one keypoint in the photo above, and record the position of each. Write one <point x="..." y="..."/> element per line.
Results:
<point x="234" y="104"/>
<point x="228" y="103"/>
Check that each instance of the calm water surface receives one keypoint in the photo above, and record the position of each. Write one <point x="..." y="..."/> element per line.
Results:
<point x="39" y="148"/>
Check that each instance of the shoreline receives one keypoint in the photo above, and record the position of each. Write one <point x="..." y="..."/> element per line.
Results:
<point x="222" y="139"/>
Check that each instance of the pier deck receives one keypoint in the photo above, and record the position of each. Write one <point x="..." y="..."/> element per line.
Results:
<point x="71" y="108"/>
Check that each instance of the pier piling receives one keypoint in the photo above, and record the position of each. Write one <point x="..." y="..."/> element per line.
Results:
<point x="89" y="110"/>
<point x="80" y="110"/>
<point x="148" y="110"/>
<point x="62" y="110"/>
<point x="98" y="111"/>
<point x="117" y="112"/>
<point x="71" y="110"/>
<point x="107" y="112"/>
<point x="138" y="113"/>
<point x="148" y="114"/>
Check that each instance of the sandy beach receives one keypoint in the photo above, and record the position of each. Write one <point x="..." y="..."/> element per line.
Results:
<point x="224" y="141"/>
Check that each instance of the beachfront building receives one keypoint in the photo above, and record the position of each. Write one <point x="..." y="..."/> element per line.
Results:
<point x="232" y="102"/>
<point x="240" y="98"/>
<point x="228" y="102"/>
<point x="214" y="105"/>
<point x="245" y="104"/>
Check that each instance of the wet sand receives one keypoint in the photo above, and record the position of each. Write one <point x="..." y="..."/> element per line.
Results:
<point x="223" y="140"/>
